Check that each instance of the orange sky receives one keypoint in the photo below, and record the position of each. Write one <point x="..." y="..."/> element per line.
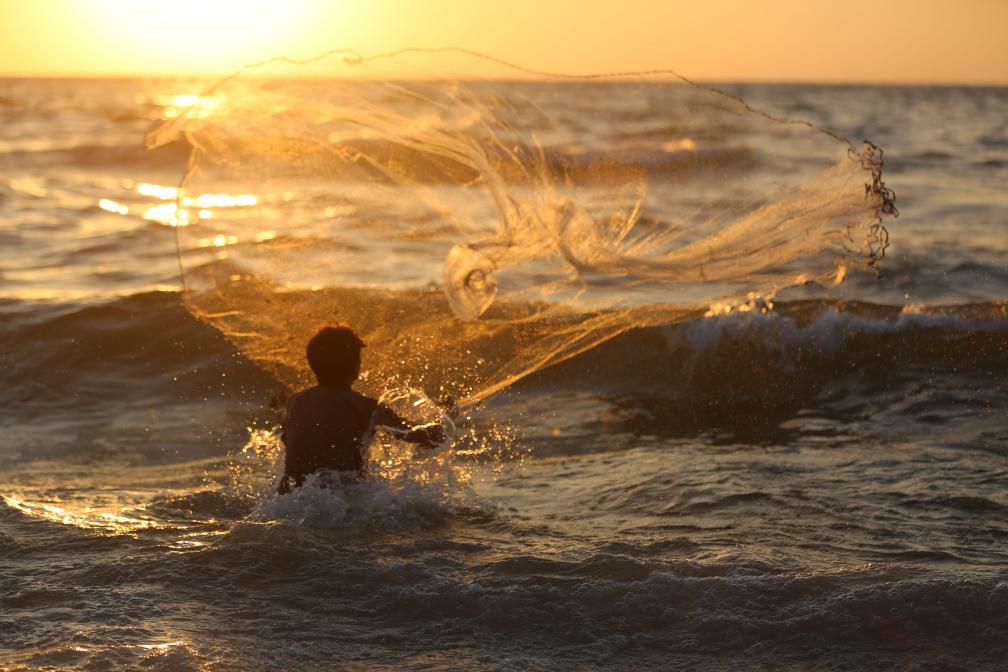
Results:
<point x="920" y="41"/>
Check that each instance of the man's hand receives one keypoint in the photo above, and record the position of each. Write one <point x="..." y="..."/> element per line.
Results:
<point x="451" y="409"/>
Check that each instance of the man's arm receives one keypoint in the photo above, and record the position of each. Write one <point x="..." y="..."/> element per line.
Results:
<point x="425" y="435"/>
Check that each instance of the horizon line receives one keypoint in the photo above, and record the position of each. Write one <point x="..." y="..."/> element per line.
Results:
<point x="719" y="80"/>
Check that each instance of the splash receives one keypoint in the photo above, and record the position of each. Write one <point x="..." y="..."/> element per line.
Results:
<point x="400" y="488"/>
<point x="476" y="228"/>
<point x="404" y="483"/>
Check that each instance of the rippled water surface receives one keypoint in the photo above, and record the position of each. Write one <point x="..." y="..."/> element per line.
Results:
<point x="817" y="483"/>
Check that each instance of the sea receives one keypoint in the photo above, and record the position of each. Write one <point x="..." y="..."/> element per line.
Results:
<point x="817" y="484"/>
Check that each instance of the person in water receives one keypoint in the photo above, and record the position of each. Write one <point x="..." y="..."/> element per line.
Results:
<point x="325" y="425"/>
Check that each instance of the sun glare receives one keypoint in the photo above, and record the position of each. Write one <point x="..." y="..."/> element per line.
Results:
<point x="195" y="36"/>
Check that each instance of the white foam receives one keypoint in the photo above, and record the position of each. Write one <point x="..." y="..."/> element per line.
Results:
<point x="326" y="500"/>
<point x="827" y="333"/>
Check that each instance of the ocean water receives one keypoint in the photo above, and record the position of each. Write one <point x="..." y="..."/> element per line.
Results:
<point x="818" y="483"/>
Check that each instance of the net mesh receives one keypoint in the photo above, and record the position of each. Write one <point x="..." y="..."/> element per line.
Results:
<point x="475" y="221"/>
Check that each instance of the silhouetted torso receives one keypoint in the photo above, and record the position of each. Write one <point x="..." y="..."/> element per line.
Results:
<point x="323" y="430"/>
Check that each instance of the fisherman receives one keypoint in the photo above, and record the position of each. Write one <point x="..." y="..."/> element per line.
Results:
<point x="326" y="425"/>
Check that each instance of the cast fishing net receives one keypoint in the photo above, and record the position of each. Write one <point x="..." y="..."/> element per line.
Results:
<point x="475" y="221"/>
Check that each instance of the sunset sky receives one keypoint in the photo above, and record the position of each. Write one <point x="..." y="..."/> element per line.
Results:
<point x="913" y="41"/>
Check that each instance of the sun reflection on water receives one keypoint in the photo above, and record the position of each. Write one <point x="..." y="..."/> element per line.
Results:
<point x="112" y="522"/>
<point x="157" y="191"/>
<point x="176" y="209"/>
<point x="109" y="205"/>
<point x="200" y="107"/>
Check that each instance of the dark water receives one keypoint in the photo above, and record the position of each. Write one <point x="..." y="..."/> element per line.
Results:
<point x="818" y="486"/>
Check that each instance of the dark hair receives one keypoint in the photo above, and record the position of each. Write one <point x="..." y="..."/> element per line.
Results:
<point x="334" y="354"/>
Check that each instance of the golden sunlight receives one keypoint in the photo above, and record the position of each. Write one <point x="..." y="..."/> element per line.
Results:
<point x="183" y="36"/>
<point x="196" y="35"/>
<point x="775" y="40"/>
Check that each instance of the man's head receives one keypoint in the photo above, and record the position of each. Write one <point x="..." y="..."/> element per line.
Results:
<point x="334" y="355"/>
